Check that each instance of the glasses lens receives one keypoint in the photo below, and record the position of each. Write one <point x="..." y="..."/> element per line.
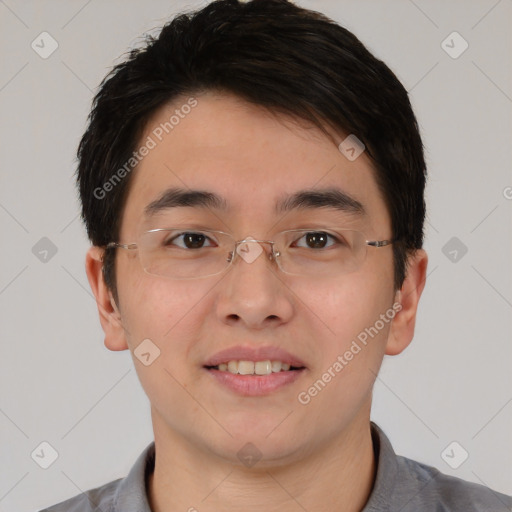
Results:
<point x="321" y="252"/>
<point x="185" y="253"/>
<point x="189" y="253"/>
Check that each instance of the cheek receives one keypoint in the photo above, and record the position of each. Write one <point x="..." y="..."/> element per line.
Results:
<point x="350" y="358"/>
<point x="356" y="314"/>
<point x="165" y="313"/>
<point x="158" y="309"/>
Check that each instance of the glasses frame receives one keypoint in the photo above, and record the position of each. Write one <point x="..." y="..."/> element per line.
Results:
<point x="273" y="256"/>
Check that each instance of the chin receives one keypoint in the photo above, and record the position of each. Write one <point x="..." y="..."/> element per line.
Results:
<point x="257" y="454"/>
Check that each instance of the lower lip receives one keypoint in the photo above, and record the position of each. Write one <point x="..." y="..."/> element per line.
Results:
<point x="255" y="385"/>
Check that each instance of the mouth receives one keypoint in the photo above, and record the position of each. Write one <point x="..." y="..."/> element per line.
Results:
<point x="251" y="371"/>
<point x="266" y="367"/>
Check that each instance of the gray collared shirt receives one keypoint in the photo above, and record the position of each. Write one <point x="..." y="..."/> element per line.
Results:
<point x="401" y="485"/>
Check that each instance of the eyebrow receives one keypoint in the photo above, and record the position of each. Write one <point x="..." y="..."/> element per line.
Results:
<point x="179" y="197"/>
<point x="332" y="197"/>
<point x="322" y="198"/>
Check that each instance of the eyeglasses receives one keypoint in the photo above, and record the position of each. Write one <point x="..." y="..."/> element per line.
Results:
<point x="179" y="253"/>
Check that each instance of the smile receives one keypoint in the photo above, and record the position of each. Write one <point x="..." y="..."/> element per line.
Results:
<point x="254" y="367"/>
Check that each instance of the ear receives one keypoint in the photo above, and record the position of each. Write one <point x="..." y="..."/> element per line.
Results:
<point x="110" y="316"/>
<point x="402" y="327"/>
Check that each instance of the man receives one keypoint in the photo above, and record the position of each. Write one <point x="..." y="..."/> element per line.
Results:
<point x="252" y="183"/>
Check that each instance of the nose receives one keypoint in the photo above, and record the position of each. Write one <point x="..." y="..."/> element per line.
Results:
<point x="253" y="293"/>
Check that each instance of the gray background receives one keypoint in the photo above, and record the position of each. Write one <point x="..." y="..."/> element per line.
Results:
<point x="61" y="385"/>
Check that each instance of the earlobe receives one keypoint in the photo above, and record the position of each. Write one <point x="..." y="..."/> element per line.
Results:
<point x="402" y="328"/>
<point x="110" y="316"/>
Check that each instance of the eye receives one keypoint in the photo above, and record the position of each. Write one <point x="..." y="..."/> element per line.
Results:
<point x="188" y="240"/>
<point x="317" y="240"/>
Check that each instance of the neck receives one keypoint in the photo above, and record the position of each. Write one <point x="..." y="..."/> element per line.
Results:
<point x="336" y="476"/>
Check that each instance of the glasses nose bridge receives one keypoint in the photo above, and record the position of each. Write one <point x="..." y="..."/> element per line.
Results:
<point x="249" y="249"/>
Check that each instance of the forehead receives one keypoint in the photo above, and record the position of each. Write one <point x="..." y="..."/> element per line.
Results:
<point x="236" y="159"/>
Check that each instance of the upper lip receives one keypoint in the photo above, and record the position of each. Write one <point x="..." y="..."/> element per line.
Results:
<point x="241" y="353"/>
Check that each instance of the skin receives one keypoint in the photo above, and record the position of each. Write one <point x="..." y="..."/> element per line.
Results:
<point x="318" y="456"/>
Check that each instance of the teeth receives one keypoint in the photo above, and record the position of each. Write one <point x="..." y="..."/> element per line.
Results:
<point x="276" y="366"/>
<point x="262" y="367"/>
<point x="245" y="367"/>
<point x="254" y="368"/>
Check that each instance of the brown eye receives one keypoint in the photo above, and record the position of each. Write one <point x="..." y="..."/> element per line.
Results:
<point x="315" y="240"/>
<point x="189" y="240"/>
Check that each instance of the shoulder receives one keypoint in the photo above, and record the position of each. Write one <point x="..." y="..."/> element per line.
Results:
<point x="426" y="488"/>
<point x="406" y="485"/>
<point x="100" y="498"/>
<point x="122" y="495"/>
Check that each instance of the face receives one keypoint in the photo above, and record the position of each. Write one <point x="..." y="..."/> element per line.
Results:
<point x="254" y="161"/>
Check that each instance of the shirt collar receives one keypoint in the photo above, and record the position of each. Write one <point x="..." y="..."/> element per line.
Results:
<point x="385" y="476"/>
<point x="131" y="495"/>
